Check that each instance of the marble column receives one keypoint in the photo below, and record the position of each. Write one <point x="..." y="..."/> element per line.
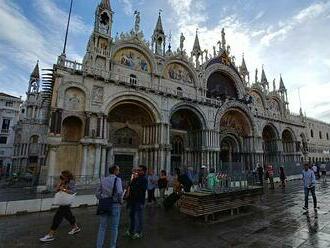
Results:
<point x="84" y="160"/>
<point x="103" y="160"/>
<point x="51" y="165"/>
<point x="97" y="165"/>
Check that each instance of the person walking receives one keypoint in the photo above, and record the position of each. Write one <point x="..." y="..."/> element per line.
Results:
<point x="323" y="169"/>
<point x="152" y="185"/>
<point x="110" y="187"/>
<point x="309" y="186"/>
<point x="212" y="180"/>
<point x="67" y="185"/>
<point x="270" y="174"/>
<point x="136" y="200"/>
<point x="282" y="176"/>
<point x="162" y="184"/>
<point x="260" y="172"/>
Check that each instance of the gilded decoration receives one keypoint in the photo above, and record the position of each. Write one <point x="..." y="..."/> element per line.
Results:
<point x="234" y="121"/>
<point x="178" y="72"/>
<point x="133" y="59"/>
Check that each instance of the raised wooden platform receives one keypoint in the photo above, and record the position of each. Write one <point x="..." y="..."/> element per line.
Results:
<point x="205" y="203"/>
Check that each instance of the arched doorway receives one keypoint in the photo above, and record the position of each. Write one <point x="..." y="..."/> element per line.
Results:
<point x="288" y="146"/>
<point x="269" y="137"/>
<point x="235" y="146"/>
<point x="72" y="128"/>
<point x="131" y="124"/>
<point x="185" y="138"/>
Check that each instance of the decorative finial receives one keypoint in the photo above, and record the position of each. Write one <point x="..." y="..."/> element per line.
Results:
<point x="182" y="39"/>
<point x="137" y="21"/>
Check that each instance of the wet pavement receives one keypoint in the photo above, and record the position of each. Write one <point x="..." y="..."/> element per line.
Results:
<point x="277" y="221"/>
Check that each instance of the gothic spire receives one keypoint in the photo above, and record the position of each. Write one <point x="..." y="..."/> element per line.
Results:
<point x="35" y="73"/>
<point x="282" y="87"/>
<point x="159" y="25"/>
<point x="243" y="67"/>
<point x="196" y="47"/>
<point x="263" y="79"/>
<point x="105" y="4"/>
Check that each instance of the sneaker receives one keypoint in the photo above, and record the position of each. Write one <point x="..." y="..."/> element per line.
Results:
<point x="74" y="230"/>
<point x="128" y="233"/>
<point x="137" y="236"/>
<point x="47" y="238"/>
<point x="305" y="208"/>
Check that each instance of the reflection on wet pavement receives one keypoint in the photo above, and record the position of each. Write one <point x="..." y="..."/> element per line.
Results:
<point x="277" y="221"/>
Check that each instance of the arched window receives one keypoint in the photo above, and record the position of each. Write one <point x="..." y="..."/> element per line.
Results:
<point x="34" y="139"/>
<point x="132" y="79"/>
<point x="320" y="134"/>
<point x="312" y="134"/>
<point x="327" y="136"/>
<point x="179" y="91"/>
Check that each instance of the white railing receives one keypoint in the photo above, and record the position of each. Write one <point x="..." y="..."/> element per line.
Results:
<point x="74" y="65"/>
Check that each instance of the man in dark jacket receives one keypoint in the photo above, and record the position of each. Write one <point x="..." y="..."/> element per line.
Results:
<point x="137" y="195"/>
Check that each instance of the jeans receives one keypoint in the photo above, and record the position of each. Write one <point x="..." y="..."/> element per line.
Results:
<point x="105" y="219"/>
<point x="306" y="191"/>
<point x="63" y="212"/>
<point x="136" y="218"/>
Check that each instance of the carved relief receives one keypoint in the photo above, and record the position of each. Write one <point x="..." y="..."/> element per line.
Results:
<point x="178" y="72"/>
<point x="257" y="102"/>
<point x="274" y="106"/>
<point x="74" y="99"/>
<point x="234" y="121"/>
<point x="133" y="59"/>
<point x="97" y="94"/>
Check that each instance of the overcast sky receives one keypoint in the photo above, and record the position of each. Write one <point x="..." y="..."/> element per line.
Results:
<point x="287" y="37"/>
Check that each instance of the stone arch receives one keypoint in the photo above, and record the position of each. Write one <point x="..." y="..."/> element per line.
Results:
<point x="271" y="106"/>
<point x="194" y="109"/>
<point x="237" y="121"/>
<point x="288" y="141"/>
<point x="72" y="129"/>
<point x="185" y="66"/>
<point x="230" y="74"/>
<point x="65" y="86"/>
<point x="34" y="139"/>
<point x="230" y="148"/>
<point x="257" y="93"/>
<point x="270" y="137"/>
<point x="140" y="49"/>
<point x="231" y="106"/>
<point x="138" y="98"/>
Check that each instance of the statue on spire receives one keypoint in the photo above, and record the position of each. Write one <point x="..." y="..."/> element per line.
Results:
<point x="219" y="43"/>
<point x="137" y="21"/>
<point x="256" y="76"/>
<point x="274" y="85"/>
<point x="182" y="39"/>
<point x="223" y="39"/>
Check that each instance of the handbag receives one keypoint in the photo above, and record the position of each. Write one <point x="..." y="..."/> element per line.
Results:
<point x="63" y="199"/>
<point x="105" y="204"/>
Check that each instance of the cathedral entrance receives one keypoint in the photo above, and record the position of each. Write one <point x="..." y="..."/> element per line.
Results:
<point x="132" y="134"/>
<point x="125" y="163"/>
<point x="288" y="146"/>
<point x="235" y="132"/>
<point x="269" y="137"/>
<point x="186" y="139"/>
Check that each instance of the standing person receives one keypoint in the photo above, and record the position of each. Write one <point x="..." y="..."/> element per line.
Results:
<point x="309" y="185"/>
<point x="184" y="180"/>
<point x="212" y="180"/>
<point x="270" y="173"/>
<point x="201" y="177"/>
<point x="260" y="172"/>
<point x="162" y="184"/>
<point x="323" y="169"/>
<point x="282" y="176"/>
<point x="152" y="184"/>
<point x="110" y="187"/>
<point x="137" y="196"/>
<point x="67" y="185"/>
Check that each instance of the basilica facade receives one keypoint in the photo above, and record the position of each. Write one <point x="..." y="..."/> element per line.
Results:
<point x="133" y="102"/>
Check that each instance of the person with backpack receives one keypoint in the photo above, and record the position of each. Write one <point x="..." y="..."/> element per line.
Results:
<point x="66" y="185"/>
<point x="110" y="195"/>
